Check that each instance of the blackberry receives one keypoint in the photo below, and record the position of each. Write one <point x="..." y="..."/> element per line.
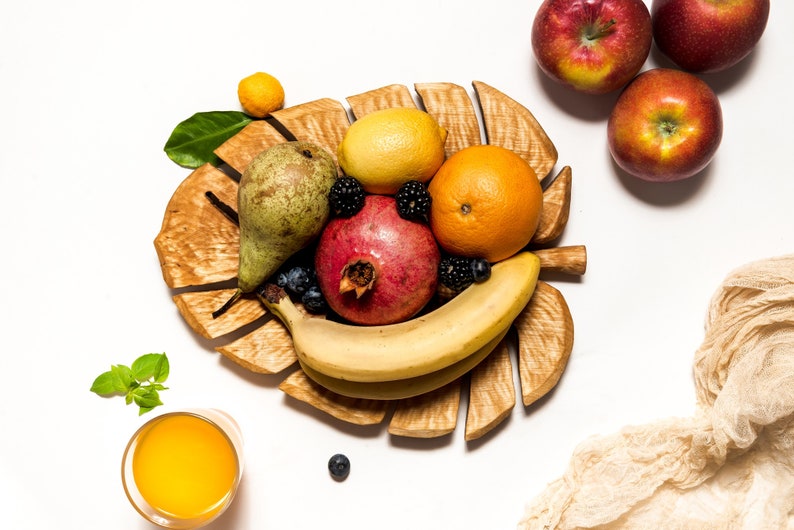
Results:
<point x="346" y="197"/>
<point x="339" y="466"/>
<point x="480" y="270"/>
<point x="455" y="273"/>
<point x="314" y="300"/>
<point x="413" y="200"/>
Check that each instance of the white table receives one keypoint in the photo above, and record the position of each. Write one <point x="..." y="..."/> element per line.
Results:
<point x="91" y="90"/>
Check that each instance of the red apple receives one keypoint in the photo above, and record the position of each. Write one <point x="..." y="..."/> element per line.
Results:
<point x="593" y="46"/>
<point x="666" y="125"/>
<point x="707" y="36"/>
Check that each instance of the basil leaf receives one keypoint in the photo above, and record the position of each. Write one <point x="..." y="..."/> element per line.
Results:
<point x="146" y="396"/>
<point x="193" y="141"/>
<point x="139" y="384"/>
<point x="105" y="384"/>
<point x="150" y="366"/>
<point x="123" y="379"/>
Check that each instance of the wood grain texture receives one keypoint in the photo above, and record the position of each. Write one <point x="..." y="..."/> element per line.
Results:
<point x="427" y="416"/>
<point x="351" y="410"/>
<point x="492" y="394"/>
<point x="240" y="149"/>
<point x="381" y="98"/>
<point x="569" y="260"/>
<point x="323" y="122"/>
<point x="545" y="342"/>
<point x="197" y="244"/>
<point x="556" y="208"/>
<point x="266" y="350"/>
<point x="453" y="109"/>
<point x="197" y="307"/>
<point x="511" y="125"/>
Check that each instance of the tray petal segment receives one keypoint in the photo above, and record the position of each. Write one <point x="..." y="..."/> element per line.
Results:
<point x="196" y="308"/>
<point x="197" y="244"/>
<point x="429" y="415"/>
<point x="452" y="107"/>
<point x="556" y="208"/>
<point x="545" y="342"/>
<point x="511" y="125"/>
<point x="323" y="122"/>
<point x="266" y="350"/>
<point x="380" y="98"/>
<point x="240" y="149"/>
<point x="492" y="393"/>
<point x="352" y="410"/>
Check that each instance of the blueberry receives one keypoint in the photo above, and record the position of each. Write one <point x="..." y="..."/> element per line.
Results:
<point x="314" y="300"/>
<point x="281" y="279"/>
<point x="299" y="279"/>
<point x="480" y="269"/>
<point x="339" y="466"/>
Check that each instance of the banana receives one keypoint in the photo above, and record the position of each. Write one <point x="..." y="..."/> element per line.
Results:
<point x="405" y="388"/>
<point x="416" y="347"/>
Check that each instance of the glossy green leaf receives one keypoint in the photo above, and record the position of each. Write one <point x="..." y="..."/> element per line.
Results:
<point x="193" y="142"/>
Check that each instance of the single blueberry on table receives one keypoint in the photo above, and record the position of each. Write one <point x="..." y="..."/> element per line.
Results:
<point x="339" y="466"/>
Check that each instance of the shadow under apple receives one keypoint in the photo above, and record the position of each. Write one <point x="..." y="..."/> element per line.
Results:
<point x="589" y="107"/>
<point x="719" y="82"/>
<point x="663" y="193"/>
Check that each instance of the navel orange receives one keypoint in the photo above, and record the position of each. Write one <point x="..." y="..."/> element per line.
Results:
<point x="486" y="203"/>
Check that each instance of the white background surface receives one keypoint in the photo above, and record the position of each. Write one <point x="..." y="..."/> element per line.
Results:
<point x="90" y="91"/>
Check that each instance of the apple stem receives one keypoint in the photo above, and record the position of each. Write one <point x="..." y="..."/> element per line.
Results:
<point x="601" y="31"/>
<point x="668" y="128"/>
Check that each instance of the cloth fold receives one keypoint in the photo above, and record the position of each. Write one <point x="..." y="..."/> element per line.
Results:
<point x="731" y="465"/>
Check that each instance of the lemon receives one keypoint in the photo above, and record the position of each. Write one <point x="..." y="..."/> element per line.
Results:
<point x="260" y="94"/>
<point x="389" y="147"/>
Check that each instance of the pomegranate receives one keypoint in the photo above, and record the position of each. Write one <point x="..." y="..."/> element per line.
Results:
<point x="376" y="267"/>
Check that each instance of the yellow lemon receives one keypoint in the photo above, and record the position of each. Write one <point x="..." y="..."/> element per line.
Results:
<point x="260" y="94"/>
<point x="388" y="147"/>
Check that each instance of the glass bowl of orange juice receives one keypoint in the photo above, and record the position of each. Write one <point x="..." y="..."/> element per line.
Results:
<point x="182" y="469"/>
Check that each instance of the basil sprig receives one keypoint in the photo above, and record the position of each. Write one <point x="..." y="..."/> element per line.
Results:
<point x="139" y="383"/>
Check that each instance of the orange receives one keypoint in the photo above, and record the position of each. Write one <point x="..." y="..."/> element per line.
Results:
<point x="260" y="94"/>
<point x="486" y="203"/>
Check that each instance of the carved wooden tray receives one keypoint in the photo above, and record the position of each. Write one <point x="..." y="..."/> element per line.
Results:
<point x="198" y="247"/>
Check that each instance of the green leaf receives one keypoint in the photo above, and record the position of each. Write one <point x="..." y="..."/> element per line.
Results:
<point x="151" y="366"/>
<point x="105" y="384"/>
<point x="123" y="379"/>
<point x="146" y="396"/>
<point x="139" y="384"/>
<point x="192" y="142"/>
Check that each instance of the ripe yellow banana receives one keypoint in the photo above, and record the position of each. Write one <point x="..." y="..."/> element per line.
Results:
<point x="405" y="388"/>
<point x="419" y="346"/>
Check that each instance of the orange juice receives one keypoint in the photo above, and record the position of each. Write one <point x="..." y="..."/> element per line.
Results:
<point x="184" y="467"/>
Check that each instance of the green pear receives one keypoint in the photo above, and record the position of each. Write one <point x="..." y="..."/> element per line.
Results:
<point x="282" y="205"/>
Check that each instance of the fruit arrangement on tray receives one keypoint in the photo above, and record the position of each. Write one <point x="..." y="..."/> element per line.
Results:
<point x="412" y="371"/>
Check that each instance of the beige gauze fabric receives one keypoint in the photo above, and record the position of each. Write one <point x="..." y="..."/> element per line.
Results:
<point x="731" y="465"/>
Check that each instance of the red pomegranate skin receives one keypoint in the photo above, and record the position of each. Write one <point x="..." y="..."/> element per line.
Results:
<point x="404" y="254"/>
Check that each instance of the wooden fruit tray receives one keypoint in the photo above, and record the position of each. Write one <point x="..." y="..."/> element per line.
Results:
<point x="198" y="247"/>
